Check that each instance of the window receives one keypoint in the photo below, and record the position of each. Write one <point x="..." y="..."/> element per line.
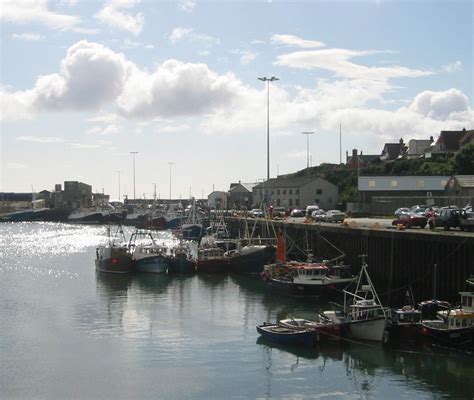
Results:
<point x="273" y="192"/>
<point x="297" y="202"/>
<point x="290" y="191"/>
<point x="394" y="184"/>
<point x="284" y="191"/>
<point x="278" y="191"/>
<point x="319" y="191"/>
<point x="278" y="202"/>
<point x="421" y="183"/>
<point x="371" y="184"/>
<point x="297" y="191"/>
<point x="290" y="203"/>
<point x="469" y="302"/>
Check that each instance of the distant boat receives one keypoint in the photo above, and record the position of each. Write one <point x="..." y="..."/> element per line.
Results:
<point x="114" y="257"/>
<point x="212" y="260"/>
<point x="192" y="229"/>
<point x="147" y="255"/>
<point x="94" y="216"/>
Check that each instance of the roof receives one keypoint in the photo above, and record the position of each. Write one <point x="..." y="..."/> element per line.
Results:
<point x="393" y="150"/>
<point x="465" y="181"/>
<point x="467" y="137"/>
<point x="247" y="186"/>
<point x="287" y="181"/>
<point x="402" y="183"/>
<point x="450" y="139"/>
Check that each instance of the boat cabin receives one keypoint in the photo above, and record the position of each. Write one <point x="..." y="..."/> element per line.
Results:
<point x="366" y="309"/>
<point x="312" y="271"/>
<point x="211" y="253"/>
<point x="467" y="301"/>
<point x="458" y="319"/>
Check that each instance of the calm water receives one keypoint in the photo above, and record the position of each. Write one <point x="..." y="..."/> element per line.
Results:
<point x="66" y="333"/>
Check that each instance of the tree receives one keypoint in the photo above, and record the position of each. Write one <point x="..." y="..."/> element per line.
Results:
<point x="463" y="161"/>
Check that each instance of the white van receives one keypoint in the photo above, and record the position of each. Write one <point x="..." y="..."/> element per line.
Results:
<point x="310" y="209"/>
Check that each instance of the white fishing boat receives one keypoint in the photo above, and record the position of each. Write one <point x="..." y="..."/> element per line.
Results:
<point x="365" y="316"/>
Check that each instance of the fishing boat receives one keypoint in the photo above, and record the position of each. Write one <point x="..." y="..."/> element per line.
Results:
<point x="305" y="278"/>
<point x="114" y="257"/>
<point x="148" y="255"/>
<point x="453" y="326"/>
<point x="181" y="260"/>
<point x="290" y="336"/>
<point x="364" y="316"/>
<point x="192" y="229"/>
<point x="212" y="260"/>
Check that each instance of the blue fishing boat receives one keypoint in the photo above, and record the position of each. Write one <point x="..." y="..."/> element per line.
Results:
<point x="148" y="256"/>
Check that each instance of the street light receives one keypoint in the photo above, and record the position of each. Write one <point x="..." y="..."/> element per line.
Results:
<point x="118" y="171"/>
<point x="170" y="164"/>
<point x="307" y="133"/>
<point x="133" y="154"/>
<point x="268" y="80"/>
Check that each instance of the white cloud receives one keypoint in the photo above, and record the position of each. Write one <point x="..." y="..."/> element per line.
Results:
<point x="337" y="61"/>
<point x="112" y="14"/>
<point x="103" y="130"/>
<point x="40" y="139"/>
<point x="452" y="67"/>
<point x="440" y="105"/>
<point x="177" y="95"/>
<point x="291" y="40"/>
<point x="246" y="56"/>
<point x="91" y="76"/>
<point x="83" y="146"/>
<point x="32" y="11"/>
<point x="180" y="34"/>
<point x="176" y="88"/>
<point x="187" y="5"/>
<point x="14" y="165"/>
<point x="28" y="36"/>
<point x="256" y="41"/>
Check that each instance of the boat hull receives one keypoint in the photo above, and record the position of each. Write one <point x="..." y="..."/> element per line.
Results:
<point x="180" y="264"/>
<point x="296" y="289"/>
<point x="156" y="264"/>
<point x="252" y="262"/>
<point x="437" y="332"/>
<point x="113" y="260"/>
<point x="282" y="335"/>
<point x="368" y="329"/>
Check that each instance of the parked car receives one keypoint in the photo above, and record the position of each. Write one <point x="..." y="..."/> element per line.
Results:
<point x="447" y="218"/>
<point x="256" y="212"/>
<point x="310" y="209"/>
<point x="410" y="220"/>
<point x="297" y="213"/>
<point x="401" y="211"/>
<point x="334" y="216"/>
<point x="318" y="215"/>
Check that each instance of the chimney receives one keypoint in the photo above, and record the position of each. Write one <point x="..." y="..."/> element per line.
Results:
<point x="354" y="152"/>
<point x="431" y="139"/>
<point x="347" y="155"/>
<point x="401" y="141"/>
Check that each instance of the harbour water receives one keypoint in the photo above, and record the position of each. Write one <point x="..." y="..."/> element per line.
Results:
<point x="69" y="333"/>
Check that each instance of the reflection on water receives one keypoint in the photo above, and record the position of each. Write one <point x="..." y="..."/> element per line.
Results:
<point x="72" y="331"/>
<point x="366" y="363"/>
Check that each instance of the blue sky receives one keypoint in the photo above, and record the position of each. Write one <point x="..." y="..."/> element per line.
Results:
<point x="83" y="83"/>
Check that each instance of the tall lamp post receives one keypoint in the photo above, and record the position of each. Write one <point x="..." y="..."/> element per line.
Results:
<point x="307" y="133"/>
<point x="170" y="164"/>
<point x="268" y="80"/>
<point x="133" y="154"/>
<point x="118" y="172"/>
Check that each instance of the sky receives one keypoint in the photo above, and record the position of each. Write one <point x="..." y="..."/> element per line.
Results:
<point x="85" y="83"/>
